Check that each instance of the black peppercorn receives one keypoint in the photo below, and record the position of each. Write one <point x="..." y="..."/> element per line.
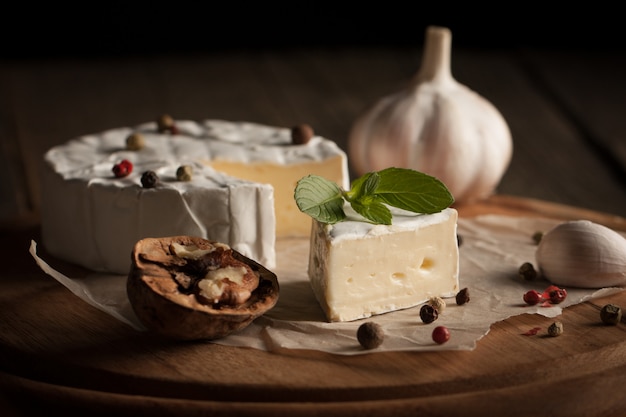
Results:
<point x="149" y="179"/>
<point x="370" y="335"/>
<point x="527" y="271"/>
<point x="301" y="134"/>
<point x="428" y="313"/>
<point x="462" y="297"/>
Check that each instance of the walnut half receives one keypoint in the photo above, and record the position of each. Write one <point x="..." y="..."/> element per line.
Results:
<point x="190" y="288"/>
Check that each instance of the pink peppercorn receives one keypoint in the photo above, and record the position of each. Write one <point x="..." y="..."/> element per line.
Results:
<point x="441" y="334"/>
<point x="555" y="294"/>
<point x="124" y="168"/>
<point x="532" y="297"/>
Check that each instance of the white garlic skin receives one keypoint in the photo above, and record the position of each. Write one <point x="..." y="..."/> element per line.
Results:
<point x="437" y="126"/>
<point x="582" y="254"/>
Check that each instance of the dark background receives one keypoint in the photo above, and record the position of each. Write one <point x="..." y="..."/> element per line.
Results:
<point x="118" y="29"/>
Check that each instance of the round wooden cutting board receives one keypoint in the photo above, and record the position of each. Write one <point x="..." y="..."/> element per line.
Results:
<point x="58" y="353"/>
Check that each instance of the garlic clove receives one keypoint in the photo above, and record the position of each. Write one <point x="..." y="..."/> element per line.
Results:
<point x="437" y="126"/>
<point x="582" y="254"/>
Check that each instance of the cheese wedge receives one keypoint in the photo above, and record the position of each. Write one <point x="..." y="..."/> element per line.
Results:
<point x="358" y="269"/>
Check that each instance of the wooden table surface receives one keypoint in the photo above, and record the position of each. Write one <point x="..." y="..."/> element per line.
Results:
<point x="565" y="109"/>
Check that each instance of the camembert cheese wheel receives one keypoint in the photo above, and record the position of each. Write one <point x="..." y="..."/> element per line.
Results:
<point x="226" y="181"/>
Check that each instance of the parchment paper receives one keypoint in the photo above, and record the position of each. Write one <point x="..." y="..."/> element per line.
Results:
<point x="492" y="250"/>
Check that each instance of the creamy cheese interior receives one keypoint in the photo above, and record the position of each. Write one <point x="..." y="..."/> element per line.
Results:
<point x="357" y="269"/>
<point x="290" y="221"/>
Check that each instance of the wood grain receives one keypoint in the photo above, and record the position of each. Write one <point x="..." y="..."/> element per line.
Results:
<point x="57" y="351"/>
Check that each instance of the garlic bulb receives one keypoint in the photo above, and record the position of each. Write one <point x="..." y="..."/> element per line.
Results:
<point x="582" y="254"/>
<point x="437" y="126"/>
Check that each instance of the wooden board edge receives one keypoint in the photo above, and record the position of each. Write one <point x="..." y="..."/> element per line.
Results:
<point x="522" y="206"/>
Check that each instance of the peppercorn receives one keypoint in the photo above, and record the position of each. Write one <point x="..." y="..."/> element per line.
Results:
<point x="532" y="297"/>
<point x="462" y="296"/>
<point x="428" y="313"/>
<point x="301" y="134"/>
<point x="135" y="141"/>
<point x="611" y="314"/>
<point x="122" y="169"/>
<point x="555" y="329"/>
<point x="370" y="335"/>
<point x="441" y="335"/>
<point x="537" y="236"/>
<point x="527" y="271"/>
<point x="149" y="179"/>
<point x="165" y="123"/>
<point x="437" y="302"/>
<point x="556" y="295"/>
<point x="184" y="173"/>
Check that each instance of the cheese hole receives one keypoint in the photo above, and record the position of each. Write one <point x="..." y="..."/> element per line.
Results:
<point x="427" y="264"/>
<point x="398" y="275"/>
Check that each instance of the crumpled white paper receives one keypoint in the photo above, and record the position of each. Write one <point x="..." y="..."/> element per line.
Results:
<point x="492" y="250"/>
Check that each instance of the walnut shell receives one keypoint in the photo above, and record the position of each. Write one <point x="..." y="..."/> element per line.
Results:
<point x="157" y="294"/>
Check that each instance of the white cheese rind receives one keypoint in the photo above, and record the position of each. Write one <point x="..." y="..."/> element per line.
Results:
<point x="358" y="270"/>
<point x="93" y="219"/>
<point x="95" y="223"/>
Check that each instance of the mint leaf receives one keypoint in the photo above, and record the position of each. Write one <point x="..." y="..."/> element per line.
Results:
<point x="413" y="191"/>
<point x="374" y="211"/>
<point x="320" y="198"/>
<point x="371" y="194"/>
<point x="364" y="186"/>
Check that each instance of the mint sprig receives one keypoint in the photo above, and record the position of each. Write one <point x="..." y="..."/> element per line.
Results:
<point x="371" y="194"/>
<point x="320" y="198"/>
